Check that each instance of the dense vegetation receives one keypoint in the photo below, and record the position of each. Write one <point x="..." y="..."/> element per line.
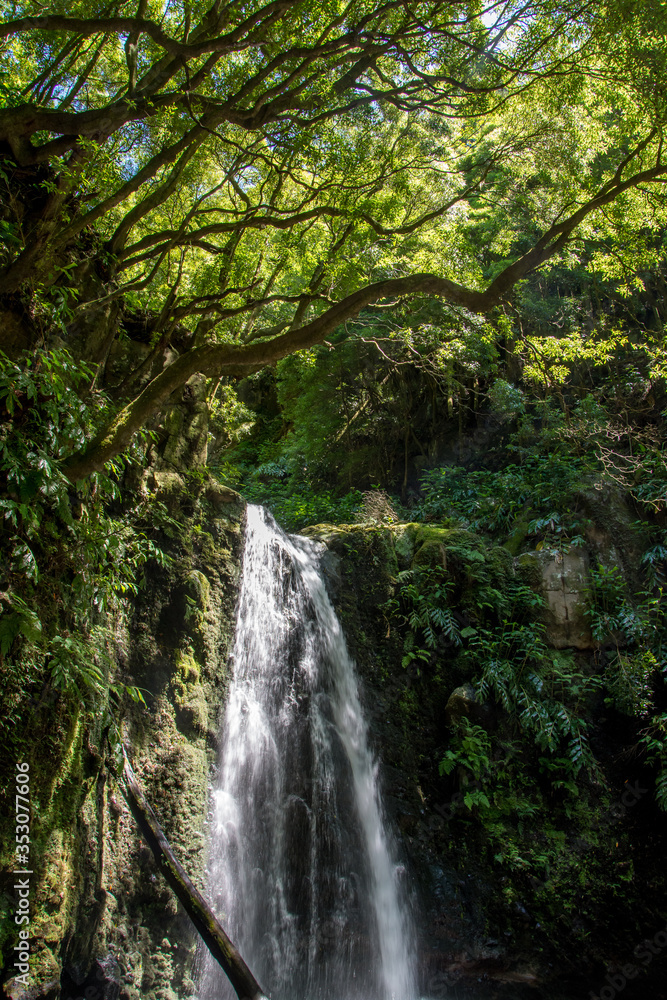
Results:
<point x="176" y="165"/>
<point x="377" y="263"/>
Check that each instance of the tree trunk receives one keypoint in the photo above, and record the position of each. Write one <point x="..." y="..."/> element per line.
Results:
<point x="406" y="440"/>
<point x="205" y="921"/>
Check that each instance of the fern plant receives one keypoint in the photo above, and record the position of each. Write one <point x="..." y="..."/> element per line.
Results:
<point x="20" y="621"/>
<point x="516" y="669"/>
<point x="424" y="593"/>
<point x="471" y="749"/>
<point x="635" y="631"/>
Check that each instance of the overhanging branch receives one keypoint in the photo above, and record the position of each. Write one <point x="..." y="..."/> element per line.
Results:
<point x="241" y="359"/>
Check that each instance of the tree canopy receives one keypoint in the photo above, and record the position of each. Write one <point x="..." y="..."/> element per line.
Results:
<point x="249" y="177"/>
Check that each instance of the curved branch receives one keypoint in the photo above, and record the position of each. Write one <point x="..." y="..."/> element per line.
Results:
<point x="242" y="359"/>
<point x="122" y="25"/>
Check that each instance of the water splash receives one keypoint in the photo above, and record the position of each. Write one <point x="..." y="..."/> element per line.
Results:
<point x="301" y="870"/>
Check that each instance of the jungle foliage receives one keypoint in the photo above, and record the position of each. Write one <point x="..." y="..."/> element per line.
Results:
<point x="246" y="178"/>
<point x="417" y="249"/>
<point x="69" y="557"/>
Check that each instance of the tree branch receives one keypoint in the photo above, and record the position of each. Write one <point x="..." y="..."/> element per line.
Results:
<point x="242" y="359"/>
<point x="202" y="916"/>
<point x="133" y="26"/>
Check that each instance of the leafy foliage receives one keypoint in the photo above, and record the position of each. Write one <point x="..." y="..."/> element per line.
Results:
<point x="297" y="507"/>
<point x="251" y="189"/>
<point x="521" y="674"/>
<point x="428" y="614"/>
<point x="634" y="634"/>
<point x="68" y="560"/>
<point x="492" y="502"/>
<point x="491" y="624"/>
<point x="471" y="750"/>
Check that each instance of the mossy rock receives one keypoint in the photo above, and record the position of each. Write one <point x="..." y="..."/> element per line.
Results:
<point x="325" y="533"/>
<point x="96" y="890"/>
<point x="430" y="547"/>
<point x="461" y="702"/>
<point x="500" y="562"/>
<point x="435" y="545"/>
<point x="190" y="701"/>
<point x="517" y="537"/>
<point x="219" y="495"/>
<point x="192" y="709"/>
<point x="351" y="541"/>
<point x="188" y="670"/>
<point x="528" y="569"/>
<point x="44" y="978"/>
<point x="169" y="488"/>
<point x="404" y="543"/>
<point x="198" y="589"/>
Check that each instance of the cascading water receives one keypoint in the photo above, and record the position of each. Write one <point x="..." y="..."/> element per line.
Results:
<point x="301" y="871"/>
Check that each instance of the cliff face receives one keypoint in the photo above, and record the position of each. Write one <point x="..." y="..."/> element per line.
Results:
<point x="104" y="924"/>
<point x="523" y="877"/>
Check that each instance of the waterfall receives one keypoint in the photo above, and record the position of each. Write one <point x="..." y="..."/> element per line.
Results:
<point x="301" y="872"/>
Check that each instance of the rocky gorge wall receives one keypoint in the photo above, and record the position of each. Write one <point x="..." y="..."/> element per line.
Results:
<point x="548" y="888"/>
<point x="545" y="889"/>
<point x="104" y="924"/>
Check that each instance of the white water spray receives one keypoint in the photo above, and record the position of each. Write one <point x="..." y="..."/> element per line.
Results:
<point x="301" y="867"/>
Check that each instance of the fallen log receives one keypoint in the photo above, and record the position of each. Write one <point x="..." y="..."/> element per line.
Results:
<point x="194" y="904"/>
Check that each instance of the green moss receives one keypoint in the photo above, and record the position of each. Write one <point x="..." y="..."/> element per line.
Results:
<point x="188" y="670"/>
<point x="501" y="563"/>
<point x="404" y="543"/>
<point x="517" y="537"/>
<point x="199" y="589"/>
<point x="95" y="886"/>
<point x="62" y="815"/>
<point x="529" y="570"/>
<point x="433" y="546"/>
<point x="193" y="708"/>
<point x="189" y="695"/>
<point x="450" y="537"/>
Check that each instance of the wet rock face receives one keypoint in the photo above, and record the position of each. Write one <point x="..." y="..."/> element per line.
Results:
<point x="409" y="724"/>
<point x="178" y="639"/>
<point x="101" y="982"/>
<point x="478" y="937"/>
<point x="104" y="924"/>
<point x="462" y="702"/>
<point x="186" y="429"/>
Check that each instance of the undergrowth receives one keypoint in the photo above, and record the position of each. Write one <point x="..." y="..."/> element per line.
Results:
<point x="71" y="554"/>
